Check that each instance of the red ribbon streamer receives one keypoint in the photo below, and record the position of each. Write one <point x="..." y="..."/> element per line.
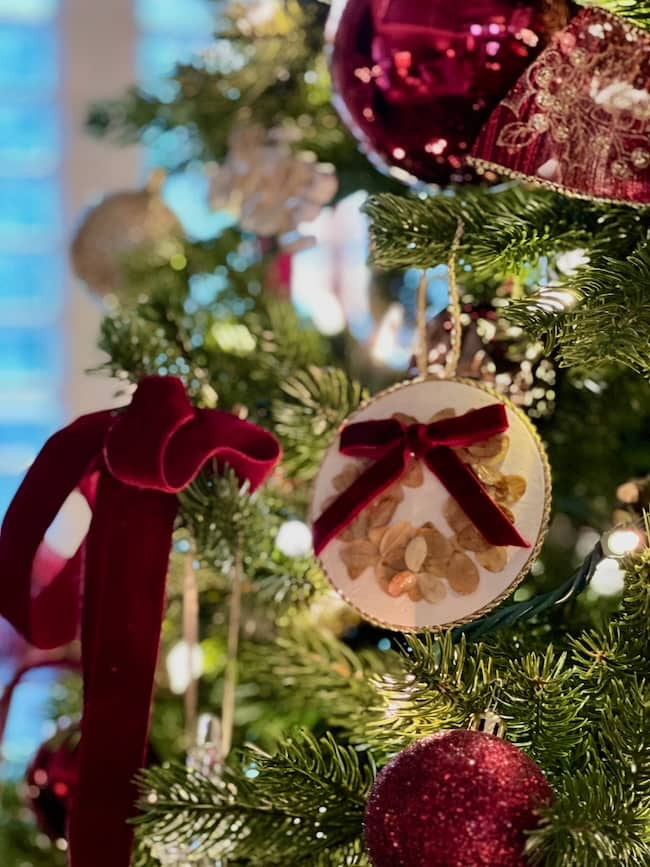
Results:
<point x="115" y="584"/>
<point x="391" y="444"/>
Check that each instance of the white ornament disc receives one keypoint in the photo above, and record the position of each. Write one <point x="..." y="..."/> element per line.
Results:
<point x="412" y="560"/>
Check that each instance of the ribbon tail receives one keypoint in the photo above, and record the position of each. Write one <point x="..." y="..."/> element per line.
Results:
<point x="473" y="498"/>
<point x="126" y="567"/>
<point x="354" y="500"/>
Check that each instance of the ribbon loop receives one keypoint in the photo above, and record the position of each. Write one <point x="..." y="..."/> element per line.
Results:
<point x="145" y="454"/>
<point x="391" y="444"/>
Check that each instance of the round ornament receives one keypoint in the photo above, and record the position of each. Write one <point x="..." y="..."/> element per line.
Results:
<point x="51" y="780"/>
<point x="431" y="504"/>
<point x="115" y="227"/>
<point x="415" y="81"/>
<point x="455" y="799"/>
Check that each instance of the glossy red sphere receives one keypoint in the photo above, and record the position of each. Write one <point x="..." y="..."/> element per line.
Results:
<point x="415" y="80"/>
<point x="455" y="799"/>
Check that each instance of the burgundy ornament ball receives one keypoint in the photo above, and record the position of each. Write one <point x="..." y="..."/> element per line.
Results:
<point x="455" y="799"/>
<point x="51" y="780"/>
<point x="415" y="80"/>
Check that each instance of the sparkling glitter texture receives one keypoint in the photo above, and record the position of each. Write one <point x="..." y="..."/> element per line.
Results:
<point x="415" y="81"/>
<point x="454" y="799"/>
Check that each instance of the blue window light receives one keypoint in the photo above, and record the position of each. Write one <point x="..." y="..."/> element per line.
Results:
<point x="31" y="287"/>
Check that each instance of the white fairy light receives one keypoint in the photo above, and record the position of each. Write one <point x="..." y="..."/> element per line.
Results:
<point x="183" y="665"/>
<point x="622" y="541"/>
<point x="608" y="579"/>
<point x="294" y="539"/>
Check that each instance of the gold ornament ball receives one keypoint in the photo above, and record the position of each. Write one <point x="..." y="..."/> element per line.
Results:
<point x="119" y="224"/>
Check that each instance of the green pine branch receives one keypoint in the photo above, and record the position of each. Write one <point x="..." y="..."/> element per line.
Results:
<point x="518" y="232"/>
<point x="439" y="684"/>
<point x="637" y="11"/>
<point x="611" y="321"/>
<point x="314" y="668"/>
<point x="542" y="705"/>
<point x="313" y="404"/>
<point x="302" y="806"/>
<point x="223" y="359"/>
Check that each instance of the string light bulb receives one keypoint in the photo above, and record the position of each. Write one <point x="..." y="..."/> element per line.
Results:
<point x="294" y="539"/>
<point x="621" y="541"/>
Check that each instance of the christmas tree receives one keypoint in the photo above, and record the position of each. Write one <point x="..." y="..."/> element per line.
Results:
<point x="484" y="698"/>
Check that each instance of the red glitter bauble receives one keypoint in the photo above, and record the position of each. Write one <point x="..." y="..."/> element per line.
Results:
<point x="415" y="80"/>
<point x="455" y="799"/>
<point x="51" y="780"/>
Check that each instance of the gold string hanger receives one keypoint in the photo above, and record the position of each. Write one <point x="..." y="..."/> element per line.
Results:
<point x="454" y="308"/>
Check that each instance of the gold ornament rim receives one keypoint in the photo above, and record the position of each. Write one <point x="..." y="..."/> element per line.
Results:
<point x="487" y="165"/>
<point x="535" y="549"/>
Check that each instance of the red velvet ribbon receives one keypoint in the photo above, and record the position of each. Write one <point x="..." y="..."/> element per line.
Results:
<point x="391" y="444"/>
<point x="115" y="585"/>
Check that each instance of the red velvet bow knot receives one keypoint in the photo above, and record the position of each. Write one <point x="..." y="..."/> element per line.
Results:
<point x="392" y="444"/>
<point x="143" y="456"/>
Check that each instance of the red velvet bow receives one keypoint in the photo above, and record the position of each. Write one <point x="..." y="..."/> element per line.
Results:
<point x="116" y="585"/>
<point x="390" y="443"/>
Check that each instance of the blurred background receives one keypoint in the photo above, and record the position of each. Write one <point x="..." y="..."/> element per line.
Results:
<point x="56" y="58"/>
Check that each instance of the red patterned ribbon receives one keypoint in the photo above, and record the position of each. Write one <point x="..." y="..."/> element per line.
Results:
<point x="142" y="457"/>
<point x="391" y="444"/>
<point x="579" y="117"/>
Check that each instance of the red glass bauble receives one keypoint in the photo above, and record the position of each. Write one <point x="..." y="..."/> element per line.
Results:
<point x="455" y="799"/>
<point x="415" y="80"/>
<point x="51" y="780"/>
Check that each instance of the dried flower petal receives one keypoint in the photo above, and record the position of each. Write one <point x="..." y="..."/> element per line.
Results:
<point x="488" y="448"/>
<point x="380" y="513"/>
<point x="494" y="559"/>
<point x="376" y="535"/>
<point x="438" y="546"/>
<point x="348" y="475"/>
<point x="448" y="412"/>
<point x="499" y="457"/>
<point x="471" y="539"/>
<point x="431" y="587"/>
<point x="463" y="575"/>
<point x="437" y="567"/>
<point x="403" y="582"/>
<point x="414" y="476"/>
<point x="359" y="556"/>
<point x="395" y="539"/>
<point x="358" y="529"/>
<point x="404" y="418"/>
<point x="516" y="486"/>
<point x="490" y="476"/>
<point x="454" y="515"/>
<point x="385" y="573"/>
<point x="415" y="553"/>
